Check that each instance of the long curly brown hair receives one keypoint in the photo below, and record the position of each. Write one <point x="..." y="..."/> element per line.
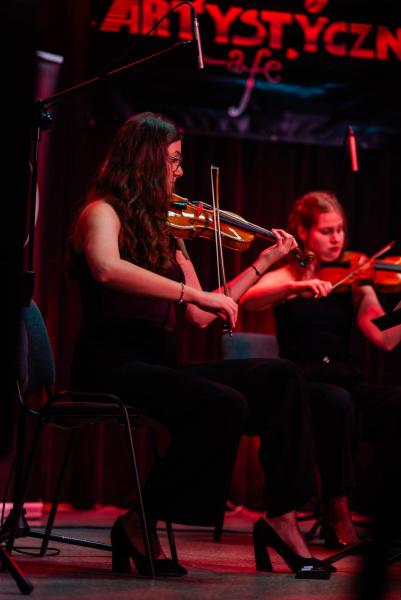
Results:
<point x="134" y="180"/>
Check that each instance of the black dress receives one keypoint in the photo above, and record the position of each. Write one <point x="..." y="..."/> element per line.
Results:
<point x="127" y="346"/>
<point x="316" y="335"/>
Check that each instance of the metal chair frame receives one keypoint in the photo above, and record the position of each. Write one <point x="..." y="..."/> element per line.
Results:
<point x="69" y="410"/>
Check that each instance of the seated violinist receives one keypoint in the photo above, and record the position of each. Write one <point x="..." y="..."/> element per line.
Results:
<point x="133" y="276"/>
<point x="313" y="327"/>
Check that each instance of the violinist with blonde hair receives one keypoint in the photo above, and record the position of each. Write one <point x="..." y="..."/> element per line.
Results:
<point x="313" y="325"/>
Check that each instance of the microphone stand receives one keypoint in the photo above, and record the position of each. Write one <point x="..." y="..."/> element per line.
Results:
<point x="16" y="524"/>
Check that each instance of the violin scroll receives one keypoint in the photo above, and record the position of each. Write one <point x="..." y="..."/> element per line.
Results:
<point x="304" y="258"/>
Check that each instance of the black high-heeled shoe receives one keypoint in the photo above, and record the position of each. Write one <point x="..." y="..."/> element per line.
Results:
<point x="334" y="542"/>
<point x="264" y="536"/>
<point x="123" y="550"/>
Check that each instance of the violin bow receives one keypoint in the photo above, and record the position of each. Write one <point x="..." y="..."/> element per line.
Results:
<point x="221" y="272"/>
<point x="380" y="252"/>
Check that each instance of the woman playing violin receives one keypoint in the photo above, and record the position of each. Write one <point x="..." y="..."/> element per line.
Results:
<point x="133" y="276"/>
<point x="313" y="329"/>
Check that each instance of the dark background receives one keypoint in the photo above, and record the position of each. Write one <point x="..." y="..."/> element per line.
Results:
<point x="260" y="179"/>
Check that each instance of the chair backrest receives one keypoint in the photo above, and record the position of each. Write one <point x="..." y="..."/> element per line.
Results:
<point x="36" y="368"/>
<point x="249" y="345"/>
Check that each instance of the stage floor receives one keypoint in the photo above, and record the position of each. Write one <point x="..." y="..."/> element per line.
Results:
<point x="222" y="569"/>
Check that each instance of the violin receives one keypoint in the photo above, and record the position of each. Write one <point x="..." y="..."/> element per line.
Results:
<point x="356" y="269"/>
<point x="196" y="219"/>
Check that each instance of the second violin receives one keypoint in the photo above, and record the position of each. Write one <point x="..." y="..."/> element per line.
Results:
<point x="356" y="268"/>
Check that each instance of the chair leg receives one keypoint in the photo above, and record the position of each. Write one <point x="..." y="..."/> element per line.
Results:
<point x="145" y="528"/>
<point x="171" y="541"/>
<point x="56" y="497"/>
<point x="169" y="526"/>
<point x="310" y="534"/>
<point x="22" y="480"/>
<point x="318" y="515"/>
<point x="218" y="530"/>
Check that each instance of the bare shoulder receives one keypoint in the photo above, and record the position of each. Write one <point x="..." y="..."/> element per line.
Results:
<point x="98" y="218"/>
<point x="98" y="209"/>
<point x="282" y="274"/>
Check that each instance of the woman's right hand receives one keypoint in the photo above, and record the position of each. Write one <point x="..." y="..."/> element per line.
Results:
<point x="219" y="304"/>
<point x="313" y="288"/>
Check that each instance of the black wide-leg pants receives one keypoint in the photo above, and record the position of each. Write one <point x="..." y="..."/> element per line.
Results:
<point x="344" y="415"/>
<point x="277" y="411"/>
<point x="206" y="407"/>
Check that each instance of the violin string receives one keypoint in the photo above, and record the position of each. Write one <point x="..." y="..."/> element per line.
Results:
<point x="382" y="265"/>
<point x="230" y="219"/>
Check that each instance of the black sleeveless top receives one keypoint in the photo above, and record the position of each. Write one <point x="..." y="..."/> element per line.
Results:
<point x="117" y="327"/>
<point x="316" y="335"/>
<point x="99" y="301"/>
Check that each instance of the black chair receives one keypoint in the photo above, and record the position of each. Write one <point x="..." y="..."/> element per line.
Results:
<point x="249" y="345"/>
<point x="68" y="410"/>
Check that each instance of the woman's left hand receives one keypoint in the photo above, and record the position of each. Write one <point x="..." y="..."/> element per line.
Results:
<point x="284" y="244"/>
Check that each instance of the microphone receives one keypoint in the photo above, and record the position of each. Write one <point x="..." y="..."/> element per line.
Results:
<point x="195" y="31"/>
<point x="352" y="149"/>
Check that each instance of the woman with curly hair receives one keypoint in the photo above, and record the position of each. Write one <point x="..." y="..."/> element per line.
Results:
<point x="133" y="276"/>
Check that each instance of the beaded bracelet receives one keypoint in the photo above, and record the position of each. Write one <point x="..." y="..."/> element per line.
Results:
<point x="256" y="271"/>
<point x="181" y="298"/>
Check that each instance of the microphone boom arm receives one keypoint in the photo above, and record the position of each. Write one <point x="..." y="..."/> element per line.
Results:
<point x="42" y="121"/>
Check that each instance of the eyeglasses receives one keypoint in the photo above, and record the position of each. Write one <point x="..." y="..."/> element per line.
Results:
<point x="175" y="161"/>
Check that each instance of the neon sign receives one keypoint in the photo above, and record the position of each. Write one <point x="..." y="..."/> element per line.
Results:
<point x="254" y="42"/>
<point x="264" y="28"/>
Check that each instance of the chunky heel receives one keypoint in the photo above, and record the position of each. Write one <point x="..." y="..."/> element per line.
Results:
<point x="264" y="536"/>
<point x="262" y="557"/>
<point x="120" y="563"/>
<point x="123" y="550"/>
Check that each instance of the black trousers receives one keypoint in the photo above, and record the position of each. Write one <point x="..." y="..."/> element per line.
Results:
<point x="189" y="484"/>
<point x="277" y="411"/>
<point x="344" y="415"/>
<point x="206" y="408"/>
